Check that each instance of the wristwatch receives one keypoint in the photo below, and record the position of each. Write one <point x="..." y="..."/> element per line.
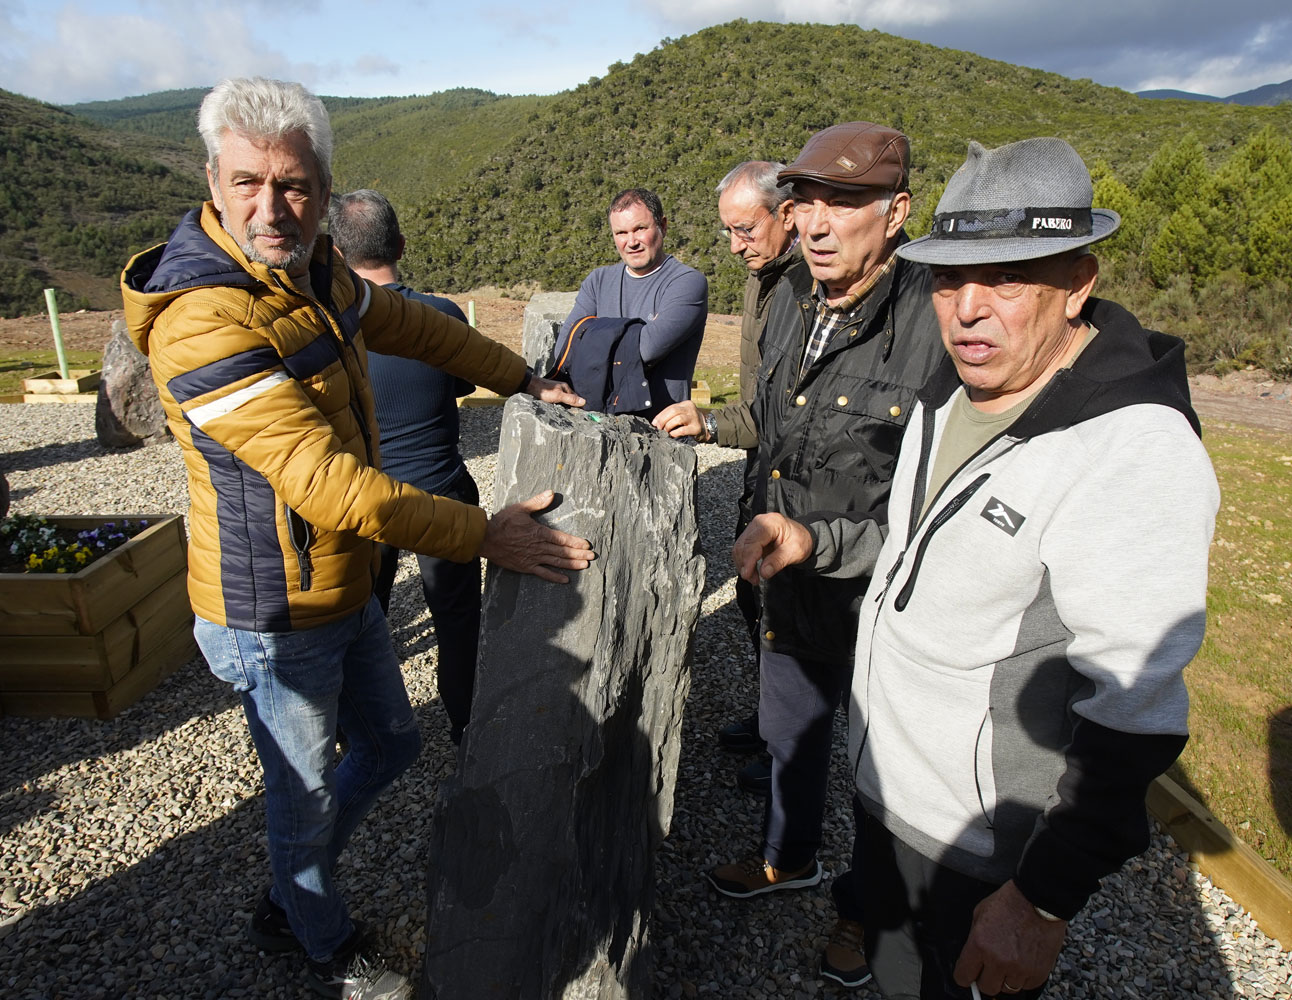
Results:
<point x="711" y="426"/>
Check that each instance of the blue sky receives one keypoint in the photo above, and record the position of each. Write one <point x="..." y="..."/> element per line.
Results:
<point x="88" y="50"/>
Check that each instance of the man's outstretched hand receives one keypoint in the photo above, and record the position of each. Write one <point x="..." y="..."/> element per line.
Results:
<point x="552" y="392"/>
<point x="681" y="420"/>
<point x="768" y="545"/>
<point x="514" y="540"/>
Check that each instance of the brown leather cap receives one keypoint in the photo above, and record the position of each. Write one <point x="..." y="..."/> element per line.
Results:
<point x="853" y="155"/>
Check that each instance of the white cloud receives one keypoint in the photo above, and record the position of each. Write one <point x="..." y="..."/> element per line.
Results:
<point x="92" y="56"/>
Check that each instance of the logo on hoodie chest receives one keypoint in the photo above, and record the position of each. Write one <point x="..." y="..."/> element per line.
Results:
<point x="1006" y="518"/>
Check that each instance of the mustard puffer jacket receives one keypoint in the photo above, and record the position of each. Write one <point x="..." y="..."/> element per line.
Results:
<point x="266" y="389"/>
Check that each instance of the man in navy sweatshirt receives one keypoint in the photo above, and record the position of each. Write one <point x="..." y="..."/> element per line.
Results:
<point x="417" y="413"/>
<point x="650" y="285"/>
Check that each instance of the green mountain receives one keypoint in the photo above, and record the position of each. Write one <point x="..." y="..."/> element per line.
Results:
<point x="77" y="199"/>
<point x="507" y="191"/>
<point x="1262" y="97"/>
<point x="676" y="119"/>
<point x="416" y="148"/>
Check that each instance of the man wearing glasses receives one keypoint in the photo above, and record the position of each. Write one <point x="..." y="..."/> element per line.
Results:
<point x="757" y="215"/>
<point x="846" y="347"/>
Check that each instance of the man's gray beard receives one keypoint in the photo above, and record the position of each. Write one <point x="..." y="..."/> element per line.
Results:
<point x="294" y="260"/>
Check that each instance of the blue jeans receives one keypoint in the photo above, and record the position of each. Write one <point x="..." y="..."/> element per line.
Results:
<point x="296" y="689"/>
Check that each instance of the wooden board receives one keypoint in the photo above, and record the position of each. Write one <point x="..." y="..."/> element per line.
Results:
<point x="95" y="663"/>
<point x="78" y="380"/>
<point x="171" y="653"/>
<point x="1252" y="881"/>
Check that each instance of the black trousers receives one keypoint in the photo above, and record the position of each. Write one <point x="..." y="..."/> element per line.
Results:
<point x="452" y="592"/>
<point x="917" y="914"/>
<point x="797" y="702"/>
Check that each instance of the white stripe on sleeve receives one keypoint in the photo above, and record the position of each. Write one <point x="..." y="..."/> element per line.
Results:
<point x="201" y="415"/>
<point x="367" y="299"/>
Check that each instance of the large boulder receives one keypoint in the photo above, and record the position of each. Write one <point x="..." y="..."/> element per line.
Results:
<point x="544" y="315"/>
<point x="541" y="877"/>
<point x="128" y="411"/>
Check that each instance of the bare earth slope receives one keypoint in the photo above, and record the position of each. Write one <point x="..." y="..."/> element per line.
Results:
<point x="1246" y="397"/>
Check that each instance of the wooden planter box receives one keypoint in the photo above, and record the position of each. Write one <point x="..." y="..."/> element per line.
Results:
<point x="78" y="380"/>
<point x="91" y="643"/>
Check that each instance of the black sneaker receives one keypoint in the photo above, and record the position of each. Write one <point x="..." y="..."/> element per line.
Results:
<point x="756" y="778"/>
<point x="742" y="736"/>
<point x="269" y="929"/>
<point x="358" y="972"/>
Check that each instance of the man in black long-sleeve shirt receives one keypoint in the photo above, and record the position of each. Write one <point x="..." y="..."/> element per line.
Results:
<point x="418" y="415"/>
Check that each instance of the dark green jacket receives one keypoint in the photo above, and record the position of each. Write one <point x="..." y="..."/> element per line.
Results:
<point x="829" y="440"/>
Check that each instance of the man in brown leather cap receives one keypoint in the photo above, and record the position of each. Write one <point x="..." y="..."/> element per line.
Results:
<point x="845" y="349"/>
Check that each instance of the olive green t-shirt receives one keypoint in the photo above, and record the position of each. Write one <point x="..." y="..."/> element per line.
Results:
<point x="969" y="428"/>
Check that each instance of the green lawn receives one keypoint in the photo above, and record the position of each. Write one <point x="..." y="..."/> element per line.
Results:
<point x="1239" y="759"/>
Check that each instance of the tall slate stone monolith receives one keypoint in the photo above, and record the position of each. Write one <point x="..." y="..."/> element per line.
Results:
<point x="128" y="411"/>
<point x="541" y="875"/>
<point x="542" y="321"/>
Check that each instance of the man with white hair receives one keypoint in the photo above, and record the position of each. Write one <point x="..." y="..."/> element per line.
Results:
<point x="757" y="214"/>
<point x="256" y="331"/>
<point x="848" y="343"/>
<point x="1040" y="589"/>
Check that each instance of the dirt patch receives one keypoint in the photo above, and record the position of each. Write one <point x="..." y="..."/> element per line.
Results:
<point x="1252" y="397"/>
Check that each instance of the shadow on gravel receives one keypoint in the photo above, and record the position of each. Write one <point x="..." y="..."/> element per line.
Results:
<point x="52" y="454"/>
<point x="479" y="428"/>
<point x="188" y="693"/>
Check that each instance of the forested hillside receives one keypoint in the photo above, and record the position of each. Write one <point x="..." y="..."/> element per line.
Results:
<point x="76" y="200"/>
<point x="677" y="118"/>
<point x="416" y="148"/>
<point x="512" y="190"/>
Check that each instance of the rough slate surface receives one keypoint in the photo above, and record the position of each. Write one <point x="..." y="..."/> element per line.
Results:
<point x="542" y="321"/>
<point x="128" y="411"/>
<point x="541" y="878"/>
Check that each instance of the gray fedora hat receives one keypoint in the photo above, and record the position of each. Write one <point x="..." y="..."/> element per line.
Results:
<point x="1025" y="200"/>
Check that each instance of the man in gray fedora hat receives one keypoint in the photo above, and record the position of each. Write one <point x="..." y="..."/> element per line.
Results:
<point x="1034" y="602"/>
<point x="848" y="342"/>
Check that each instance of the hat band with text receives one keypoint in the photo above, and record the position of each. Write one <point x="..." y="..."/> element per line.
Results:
<point x="1063" y="223"/>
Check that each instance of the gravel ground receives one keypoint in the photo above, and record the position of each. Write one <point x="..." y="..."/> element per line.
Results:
<point x="131" y="851"/>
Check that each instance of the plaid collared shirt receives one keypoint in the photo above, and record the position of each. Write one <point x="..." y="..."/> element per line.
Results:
<point x="830" y="318"/>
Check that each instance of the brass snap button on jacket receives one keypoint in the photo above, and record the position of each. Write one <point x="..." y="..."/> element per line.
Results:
<point x="776" y="473"/>
<point x="801" y="401"/>
<point x="769" y="635"/>
<point x="894" y="411"/>
<point x="842" y="400"/>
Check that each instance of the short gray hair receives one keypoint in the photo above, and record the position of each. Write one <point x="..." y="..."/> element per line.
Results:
<point x="260" y="108"/>
<point x="364" y="228"/>
<point x="883" y="202"/>
<point x="761" y="176"/>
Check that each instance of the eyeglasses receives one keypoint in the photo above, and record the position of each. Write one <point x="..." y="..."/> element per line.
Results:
<point x="745" y="233"/>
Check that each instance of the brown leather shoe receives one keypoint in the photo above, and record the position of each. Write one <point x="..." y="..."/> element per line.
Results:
<point x="844" y="959"/>
<point x="753" y="876"/>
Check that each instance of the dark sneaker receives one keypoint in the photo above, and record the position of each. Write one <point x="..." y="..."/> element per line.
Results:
<point x="269" y="929"/>
<point x="755" y="778"/>
<point x="844" y="959"/>
<point x="742" y="736"/>
<point x="754" y="876"/>
<point x="358" y="972"/>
